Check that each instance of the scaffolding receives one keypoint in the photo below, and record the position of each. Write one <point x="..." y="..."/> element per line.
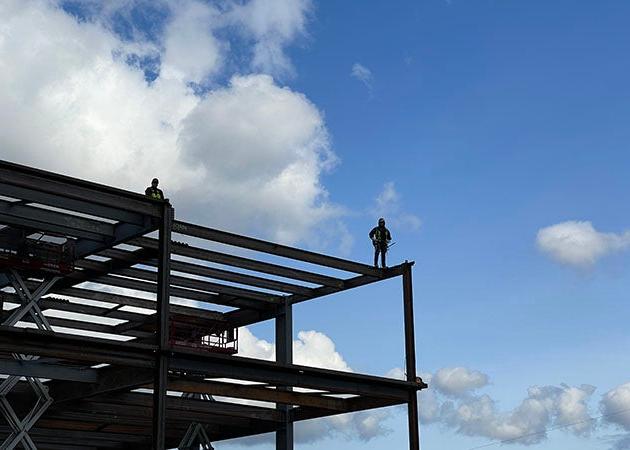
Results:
<point x="130" y="339"/>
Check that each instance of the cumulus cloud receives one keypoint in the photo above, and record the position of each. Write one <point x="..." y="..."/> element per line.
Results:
<point x="457" y="381"/>
<point x="615" y="406"/>
<point x="311" y="348"/>
<point x="363" y="74"/>
<point x="527" y="424"/>
<point x="578" y="243"/>
<point x="315" y="349"/>
<point x="452" y="401"/>
<point x="388" y="204"/>
<point x="191" y="52"/>
<point x="272" y="24"/>
<point x="74" y="101"/>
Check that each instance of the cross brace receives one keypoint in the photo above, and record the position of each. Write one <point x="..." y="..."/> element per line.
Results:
<point x="28" y="306"/>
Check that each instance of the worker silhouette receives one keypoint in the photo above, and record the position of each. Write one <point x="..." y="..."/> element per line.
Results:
<point x="153" y="191"/>
<point x="381" y="238"/>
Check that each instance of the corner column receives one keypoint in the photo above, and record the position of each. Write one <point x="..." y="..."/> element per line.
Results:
<point x="284" y="355"/>
<point x="410" y="357"/>
<point x="160" y="380"/>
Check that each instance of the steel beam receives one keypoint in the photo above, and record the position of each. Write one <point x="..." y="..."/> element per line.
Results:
<point x="123" y="232"/>
<point x="243" y="263"/>
<point x="180" y="405"/>
<point x="200" y="285"/>
<point x="206" y="297"/>
<point x="40" y="369"/>
<point x="350" y="405"/>
<point x="109" y="380"/>
<point x="28" y="177"/>
<point x="410" y="358"/>
<point x="160" y="383"/>
<point x="13" y="212"/>
<point x="70" y="204"/>
<point x="221" y="366"/>
<point x="75" y="348"/>
<point x="258" y="393"/>
<point x="284" y="355"/>
<point x="236" y="240"/>
<point x="125" y="300"/>
<point x="218" y="274"/>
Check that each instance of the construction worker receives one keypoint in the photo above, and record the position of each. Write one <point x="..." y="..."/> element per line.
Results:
<point x="153" y="191"/>
<point x="381" y="238"/>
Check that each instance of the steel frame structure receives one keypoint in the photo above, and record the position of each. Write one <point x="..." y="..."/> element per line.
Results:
<point x="113" y="378"/>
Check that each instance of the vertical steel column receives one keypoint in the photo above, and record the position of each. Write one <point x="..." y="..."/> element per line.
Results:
<point x="160" y="381"/>
<point x="410" y="356"/>
<point x="284" y="355"/>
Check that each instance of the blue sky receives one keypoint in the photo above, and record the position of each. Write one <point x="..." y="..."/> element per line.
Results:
<point x="493" y="136"/>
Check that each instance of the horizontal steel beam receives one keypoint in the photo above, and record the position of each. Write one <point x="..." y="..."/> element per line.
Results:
<point x="361" y="280"/>
<point x="109" y="380"/>
<point x="218" y="274"/>
<point x="210" y="364"/>
<point x="73" y="224"/>
<point x="243" y="263"/>
<point x="253" y="392"/>
<point x="220" y="366"/>
<point x="125" y="300"/>
<point x="75" y="348"/>
<point x="236" y="240"/>
<point x="70" y="204"/>
<point x="123" y="232"/>
<point x="179" y="405"/>
<point x="39" y="369"/>
<point x="218" y="299"/>
<point x="351" y="405"/>
<point x="74" y="188"/>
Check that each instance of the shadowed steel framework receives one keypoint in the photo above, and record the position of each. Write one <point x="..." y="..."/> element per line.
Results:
<point x="109" y="350"/>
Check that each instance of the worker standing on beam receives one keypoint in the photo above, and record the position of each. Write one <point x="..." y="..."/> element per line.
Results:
<point x="153" y="191"/>
<point x="381" y="238"/>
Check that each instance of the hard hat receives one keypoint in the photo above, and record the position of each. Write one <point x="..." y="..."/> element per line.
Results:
<point x="381" y="220"/>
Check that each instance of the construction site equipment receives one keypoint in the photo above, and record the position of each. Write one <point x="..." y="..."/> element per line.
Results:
<point x="200" y="334"/>
<point x="34" y="253"/>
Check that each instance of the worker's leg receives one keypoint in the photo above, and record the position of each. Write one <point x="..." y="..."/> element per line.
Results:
<point x="383" y="251"/>
<point x="376" y="252"/>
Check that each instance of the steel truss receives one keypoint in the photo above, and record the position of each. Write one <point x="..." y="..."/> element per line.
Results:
<point x="28" y="306"/>
<point x="196" y="438"/>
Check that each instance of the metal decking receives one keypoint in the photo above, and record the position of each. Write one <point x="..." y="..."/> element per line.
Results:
<point x="115" y="379"/>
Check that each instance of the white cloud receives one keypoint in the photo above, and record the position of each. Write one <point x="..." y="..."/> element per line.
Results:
<point x="615" y="406"/>
<point x="388" y="204"/>
<point x="579" y="243"/>
<point x="311" y="348"/>
<point x="528" y="423"/>
<point x="315" y="349"/>
<point x="247" y="156"/>
<point x="450" y="401"/>
<point x="363" y="74"/>
<point x="457" y="381"/>
<point x="272" y="24"/>
<point x="191" y="51"/>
